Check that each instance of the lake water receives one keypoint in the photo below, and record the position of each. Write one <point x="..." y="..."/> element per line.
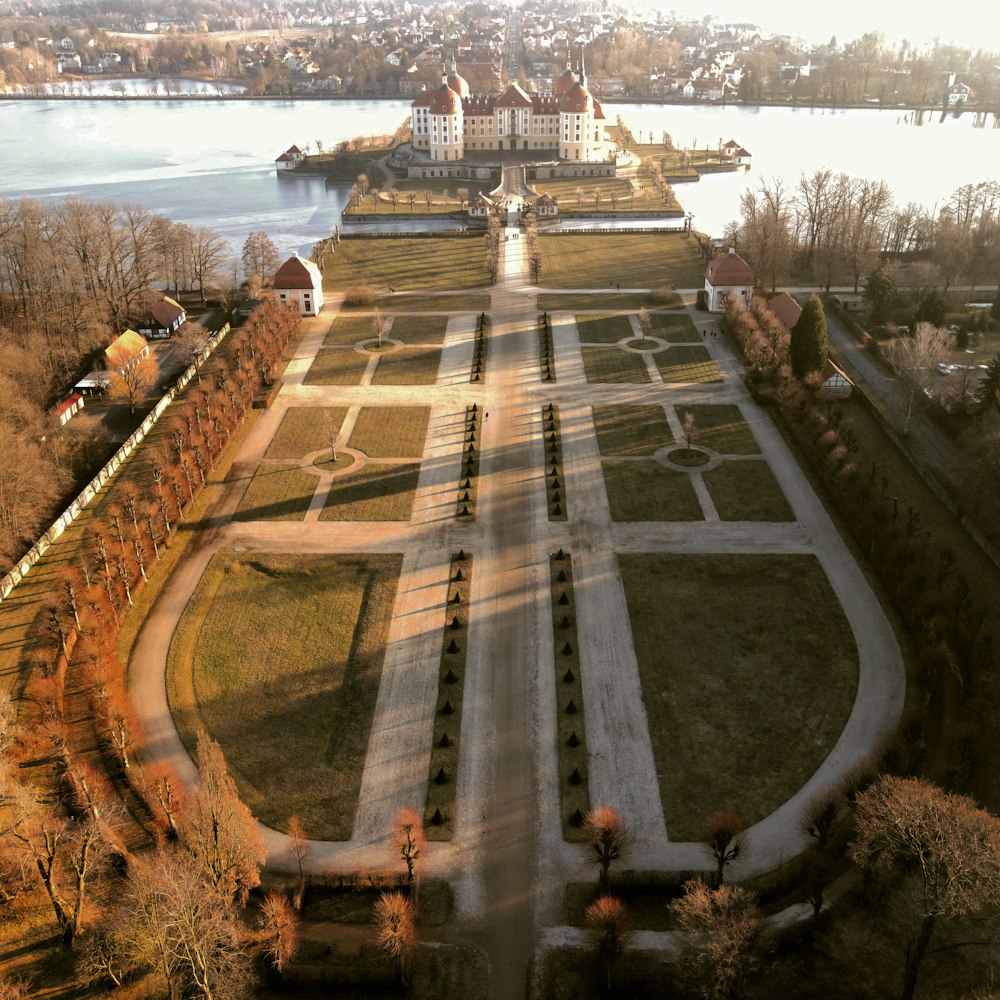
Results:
<point x="212" y="162"/>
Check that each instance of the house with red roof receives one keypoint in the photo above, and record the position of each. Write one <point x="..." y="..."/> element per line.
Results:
<point x="289" y="159"/>
<point x="785" y="308"/>
<point x="728" y="277"/>
<point x="68" y="408"/>
<point x="299" y="281"/>
<point x="163" y="319"/>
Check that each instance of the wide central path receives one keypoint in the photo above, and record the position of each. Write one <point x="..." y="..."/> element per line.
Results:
<point x="507" y="579"/>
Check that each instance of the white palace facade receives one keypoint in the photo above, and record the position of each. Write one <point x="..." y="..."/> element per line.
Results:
<point x="566" y="125"/>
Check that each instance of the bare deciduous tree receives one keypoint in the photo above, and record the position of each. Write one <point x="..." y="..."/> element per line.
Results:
<point x="396" y="930"/>
<point x="723" y="835"/>
<point x="913" y="358"/>
<point x="409" y="840"/>
<point x="133" y="379"/>
<point x="724" y="924"/>
<point x="607" y="836"/>
<point x="219" y="829"/>
<point x="606" y="916"/>
<point x="953" y="845"/>
<point x="279" y="930"/>
<point x="300" y="848"/>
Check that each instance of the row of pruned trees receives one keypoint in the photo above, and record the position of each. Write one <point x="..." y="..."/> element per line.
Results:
<point x="948" y="623"/>
<point x="837" y="227"/>
<point x="178" y="911"/>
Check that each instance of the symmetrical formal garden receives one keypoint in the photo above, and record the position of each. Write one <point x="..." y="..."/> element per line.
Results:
<point x="648" y="480"/>
<point x="377" y="484"/>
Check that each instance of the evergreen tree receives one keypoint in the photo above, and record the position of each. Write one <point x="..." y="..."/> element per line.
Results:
<point x="930" y="307"/>
<point x="880" y="294"/>
<point x="809" y="346"/>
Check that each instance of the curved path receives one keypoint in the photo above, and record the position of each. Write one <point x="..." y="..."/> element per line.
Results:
<point x="508" y="861"/>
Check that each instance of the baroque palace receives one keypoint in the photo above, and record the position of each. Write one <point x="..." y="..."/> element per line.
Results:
<point x="565" y="125"/>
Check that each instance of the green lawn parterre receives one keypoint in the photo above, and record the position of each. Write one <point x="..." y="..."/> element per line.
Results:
<point x="291" y="700"/>
<point x="303" y="430"/>
<point x="646" y="491"/>
<point x="747" y="491"/>
<point x="407" y="264"/>
<point x="408" y="366"/>
<point x="749" y="671"/>
<point x="277" y="493"/>
<point x="603" y="329"/>
<point x="612" y="365"/>
<point x="376" y="492"/>
<point x="347" y="330"/>
<point x="687" y="364"/>
<point x="631" y="430"/>
<point x="391" y="431"/>
<point x="721" y="427"/>
<point x="629" y="260"/>
<point x="337" y="366"/>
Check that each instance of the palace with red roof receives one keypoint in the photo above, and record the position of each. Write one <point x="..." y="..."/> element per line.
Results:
<point x="566" y="124"/>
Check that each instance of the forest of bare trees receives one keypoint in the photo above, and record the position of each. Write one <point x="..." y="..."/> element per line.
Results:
<point x="72" y="275"/>
<point x="833" y="229"/>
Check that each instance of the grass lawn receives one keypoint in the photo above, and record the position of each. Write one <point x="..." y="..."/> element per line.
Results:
<point x="631" y="430"/>
<point x="374" y="493"/>
<point x="391" y="431"/>
<point x="412" y="366"/>
<point x="747" y="491"/>
<point x="674" y="327"/>
<point x="603" y="329"/>
<point x="344" y="167"/>
<point x="748" y="678"/>
<point x="722" y="428"/>
<point x="337" y="366"/>
<point x="347" y="330"/>
<point x="276" y="493"/>
<point x="687" y="364"/>
<point x="424" y="330"/>
<point x="303" y="430"/>
<point x="293" y="722"/>
<point x="646" y="491"/>
<point x="434" y="303"/>
<point x="577" y="301"/>
<point x="635" y="260"/>
<point x="407" y="264"/>
<point x="611" y="365"/>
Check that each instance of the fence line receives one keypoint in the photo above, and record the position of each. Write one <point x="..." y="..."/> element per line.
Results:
<point x="72" y="512"/>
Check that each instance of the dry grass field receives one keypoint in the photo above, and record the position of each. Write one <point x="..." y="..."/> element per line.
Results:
<point x="740" y="716"/>
<point x="291" y="700"/>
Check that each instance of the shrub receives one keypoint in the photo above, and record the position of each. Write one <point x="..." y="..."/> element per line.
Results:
<point x="666" y="297"/>
<point x="360" y="295"/>
<point x="702" y="300"/>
